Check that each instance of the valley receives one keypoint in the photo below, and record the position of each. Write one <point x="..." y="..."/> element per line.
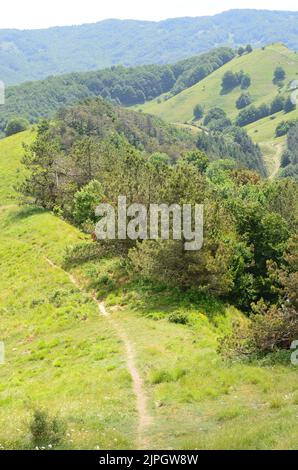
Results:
<point x="126" y="329"/>
<point x="54" y="335"/>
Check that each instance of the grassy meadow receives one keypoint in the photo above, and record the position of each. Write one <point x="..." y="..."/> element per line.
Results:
<point x="260" y="65"/>
<point x="63" y="357"/>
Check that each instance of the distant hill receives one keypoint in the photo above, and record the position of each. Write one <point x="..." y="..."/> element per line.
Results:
<point x="260" y="65"/>
<point x="35" y="54"/>
<point x="122" y="85"/>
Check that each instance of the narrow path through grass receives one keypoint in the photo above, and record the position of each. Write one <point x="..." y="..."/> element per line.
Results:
<point x="144" y="419"/>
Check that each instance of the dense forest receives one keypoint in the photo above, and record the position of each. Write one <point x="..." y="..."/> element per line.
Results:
<point x="126" y="86"/>
<point x="98" y="120"/>
<point x="223" y="139"/>
<point x="93" y="153"/>
<point x="33" y="55"/>
<point x="289" y="163"/>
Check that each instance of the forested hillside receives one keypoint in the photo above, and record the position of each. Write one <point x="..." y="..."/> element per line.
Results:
<point x="259" y="65"/>
<point x="90" y="153"/>
<point x="86" y="130"/>
<point x="32" y="55"/>
<point x="289" y="162"/>
<point x="244" y="92"/>
<point x="126" y="86"/>
<point x="54" y="333"/>
<point x="149" y="236"/>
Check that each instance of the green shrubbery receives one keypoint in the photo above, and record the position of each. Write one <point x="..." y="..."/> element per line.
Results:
<point x="243" y="100"/>
<point x="272" y="326"/>
<point x="178" y="317"/>
<point x="231" y="80"/>
<point x="16" y="125"/>
<point x="198" y="111"/>
<point x="248" y="222"/>
<point x="289" y="161"/>
<point x="253" y="114"/>
<point x="120" y="85"/>
<point x="46" y="431"/>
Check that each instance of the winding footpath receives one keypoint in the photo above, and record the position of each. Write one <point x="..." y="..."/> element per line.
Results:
<point x="144" y="418"/>
<point x="277" y="160"/>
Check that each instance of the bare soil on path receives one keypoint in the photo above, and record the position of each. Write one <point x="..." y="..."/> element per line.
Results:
<point x="144" y="418"/>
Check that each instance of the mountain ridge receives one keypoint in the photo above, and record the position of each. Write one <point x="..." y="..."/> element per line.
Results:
<point x="35" y="54"/>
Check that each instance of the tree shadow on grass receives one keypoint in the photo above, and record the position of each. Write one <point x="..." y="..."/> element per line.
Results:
<point x="226" y="91"/>
<point x="151" y="298"/>
<point x="26" y="212"/>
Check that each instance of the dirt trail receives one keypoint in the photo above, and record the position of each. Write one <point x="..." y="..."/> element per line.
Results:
<point x="277" y="160"/>
<point x="144" y="419"/>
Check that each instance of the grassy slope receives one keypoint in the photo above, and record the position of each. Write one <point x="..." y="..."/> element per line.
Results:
<point x="11" y="151"/>
<point x="62" y="356"/>
<point x="260" y="65"/>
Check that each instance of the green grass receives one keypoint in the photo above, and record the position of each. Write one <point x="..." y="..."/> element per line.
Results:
<point x="10" y="156"/>
<point x="196" y="399"/>
<point x="264" y="129"/>
<point x="60" y="354"/>
<point x="63" y="357"/>
<point x="260" y="65"/>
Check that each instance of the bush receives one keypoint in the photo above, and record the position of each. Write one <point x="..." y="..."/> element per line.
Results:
<point x="279" y="74"/>
<point x="243" y="101"/>
<point x="179" y="318"/>
<point x="245" y="82"/>
<point x="166" y="261"/>
<point x="198" y="159"/>
<point x="289" y="105"/>
<point x="271" y="329"/>
<point x="247" y="116"/>
<point x="16" y="125"/>
<point x="198" y="111"/>
<point x="252" y="114"/>
<point x="277" y="104"/>
<point x="284" y="127"/>
<point x="214" y="114"/>
<point x="85" y="202"/>
<point x="45" y="430"/>
<point x="220" y="125"/>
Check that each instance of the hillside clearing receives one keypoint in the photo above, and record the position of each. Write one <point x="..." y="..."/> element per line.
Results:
<point x="64" y="357"/>
<point x="144" y="419"/>
<point x="260" y="65"/>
